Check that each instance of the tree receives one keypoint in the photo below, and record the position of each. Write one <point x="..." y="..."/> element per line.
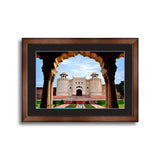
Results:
<point x="120" y="88"/>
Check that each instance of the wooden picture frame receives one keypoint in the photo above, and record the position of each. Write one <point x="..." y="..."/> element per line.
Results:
<point x="32" y="45"/>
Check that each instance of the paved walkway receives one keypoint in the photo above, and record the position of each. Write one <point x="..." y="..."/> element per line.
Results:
<point x="80" y="106"/>
<point x="62" y="106"/>
<point x="97" y="106"/>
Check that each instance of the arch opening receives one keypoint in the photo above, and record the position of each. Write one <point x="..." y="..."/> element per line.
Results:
<point x="79" y="92"/>
<point x="67" y="55"/>
<point x="91" y="55"/>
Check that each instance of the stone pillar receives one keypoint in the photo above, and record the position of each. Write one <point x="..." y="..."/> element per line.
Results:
<point x="106" y="83"/>
<point x="111" y="69"/>
<point x="47" y="72"/>
<point x="109" y="95"/>
<point x="45" y="101"/>
<point x="51" y="92"/>
<point x="107" y="99"/>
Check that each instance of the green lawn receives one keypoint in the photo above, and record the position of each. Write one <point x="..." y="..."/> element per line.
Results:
<point x="55" y="103"/>
<point x="38" y="103"/>
<point x="99" y="102"/>
<point x="88" y="106"/>
<point x="102" y="103"/>
<point x="121" y="103"/>
<point x="71" y="106"/>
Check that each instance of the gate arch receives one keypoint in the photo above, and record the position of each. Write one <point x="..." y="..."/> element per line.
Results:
<point x="78" y="92"/>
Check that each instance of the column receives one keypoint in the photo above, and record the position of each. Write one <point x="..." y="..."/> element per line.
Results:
<point x="106" y="83"/>
<point x="111" y="69"/>
<point x="51" y="91"/>
<point x="47" y="72"/>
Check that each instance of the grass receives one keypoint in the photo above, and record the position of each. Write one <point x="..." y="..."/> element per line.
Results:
<point x="102" y="103"/>
<point x="121" y="106"/>
<point x="71" y="106"/>
<point x="121" y="103"/>
<point x="38" y="103"/>
<point x="88" y="106"/>
<point x="55" y="103"/>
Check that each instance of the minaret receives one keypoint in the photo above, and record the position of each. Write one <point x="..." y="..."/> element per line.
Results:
<point x="95" y="85"/>
<point x="62" y="85"/>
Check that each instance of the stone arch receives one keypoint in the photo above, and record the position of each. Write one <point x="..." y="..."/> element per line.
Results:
<point x="88" y="54"/>
<point x="108" y="69"/>
<point x="78" y="92"/>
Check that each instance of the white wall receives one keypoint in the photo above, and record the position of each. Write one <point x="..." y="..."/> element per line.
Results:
<point x="70" y="141"/>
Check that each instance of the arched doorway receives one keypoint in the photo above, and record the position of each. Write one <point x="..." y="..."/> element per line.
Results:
<point x="79" y="92"/>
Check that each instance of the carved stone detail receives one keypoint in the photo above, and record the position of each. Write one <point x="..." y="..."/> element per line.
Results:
<point x="49" y="72"/>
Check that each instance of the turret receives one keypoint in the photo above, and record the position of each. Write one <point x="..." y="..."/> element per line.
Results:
<point x="95" y="85"/>
<point x="94" y="75"/>
<point x="63" y="75"/>
<point x="62" y="85"/>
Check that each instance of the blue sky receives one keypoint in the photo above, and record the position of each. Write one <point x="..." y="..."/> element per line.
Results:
<point x="79" y="66"/>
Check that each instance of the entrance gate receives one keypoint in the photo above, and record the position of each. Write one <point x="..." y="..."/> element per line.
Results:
<point x="79" y="92"/>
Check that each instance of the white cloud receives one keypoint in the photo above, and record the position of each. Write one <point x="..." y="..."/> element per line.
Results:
<point x="75" y="70"/>
<point x="84" y="70"/>
<point x="88" y="67"/>
<point x="67" y="61"/>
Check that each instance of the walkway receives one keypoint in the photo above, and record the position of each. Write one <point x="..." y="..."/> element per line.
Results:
<point x="97" y="106"/>
<point x="62" y="106"/>
<point x="80" y="106"/>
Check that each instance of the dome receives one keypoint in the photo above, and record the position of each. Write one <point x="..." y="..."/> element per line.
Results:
<point x="63" y="74"/>
<point x="94" y="73"/>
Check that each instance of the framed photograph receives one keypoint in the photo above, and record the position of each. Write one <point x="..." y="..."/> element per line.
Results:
<point x="80" y="79"/>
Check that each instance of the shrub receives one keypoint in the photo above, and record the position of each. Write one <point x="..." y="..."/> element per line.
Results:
<point x="62" y="101"/>
<point x="120" y="102"/>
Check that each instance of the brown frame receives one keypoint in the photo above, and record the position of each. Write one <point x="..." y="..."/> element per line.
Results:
<point x="132" y="41"/>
